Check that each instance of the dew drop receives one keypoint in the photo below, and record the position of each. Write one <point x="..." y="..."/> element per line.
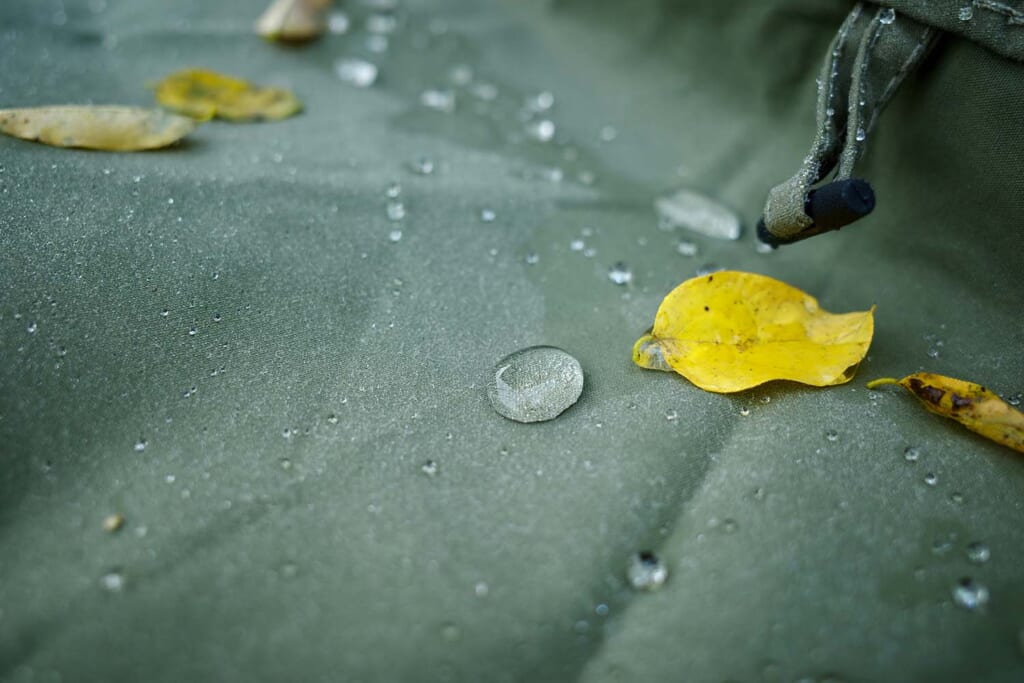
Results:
<point x="438" y="100"/>
<point x="969" y="594"/>
<point x="487" y="92"/>
<point x="429" y="468"/>
<point x="744" y="411"/>
<point x="832" y="435"/>
<point x="140" y="445"/>
<point x="396" y="211"/>
<point x="394" y="191"/>
<point x="487" y="215"/>
<point x="32" y="327"/>
<point x="540" y="102"/>
<point x="887" y="16"/>
<point x="113" y="581"/>
<point x="381" y="23"/>
<point x="541" y="131"/>
<point x="193" y="331"/>
<point x="608" y="133"/>
<point x="911" y="453"/>
<point x="535" y="384"/>
<point x="395" y="235"/>
<point x="577" y="245"/>
<point x="620" y="274"/>
<point x="933" y="352"/>
<point x="978" y="552"/>
<point x="422" y="166"/>
<point x="646" y="571"/>
<point x="671" y="414"/>
<point x="164" y="313"/>
<point x="861" y="135"/>
<point x="217" y="317"/>
<point x="450" y="633"/>
<point x="332" y="419"/>
<point x="532" y="258"/>
<point x="461" y="74"/>
<point x="357" y="72"/>
<point x="687" y="248"/>
<point x="481" y="589"/>
<point x="338" y="23"/>
<point x="286" y="464"/>
<point x="931" y="479"/>
<point x="956" y="497"/>
<point x="1015" y="399"/>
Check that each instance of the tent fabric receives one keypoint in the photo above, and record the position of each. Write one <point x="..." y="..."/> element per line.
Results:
<point x="228" y="344"/>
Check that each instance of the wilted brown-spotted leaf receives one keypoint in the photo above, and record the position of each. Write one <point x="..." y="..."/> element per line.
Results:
<point x="293" y="20"/>
<point x="203" y="94"/>
<point x="109" y="128"/>
<point x="731" y="331"/>
<point x="970" y="404"/>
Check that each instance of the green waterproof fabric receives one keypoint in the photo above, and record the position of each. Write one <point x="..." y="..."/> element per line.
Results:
<point x="278" y="523"/>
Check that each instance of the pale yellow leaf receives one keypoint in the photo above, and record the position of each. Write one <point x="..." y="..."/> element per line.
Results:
<point x="110" y="128"/>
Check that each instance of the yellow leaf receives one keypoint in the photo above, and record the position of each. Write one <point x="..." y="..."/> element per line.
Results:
<point x="972" y="405"/>
<point x="731" y="331"/>
<point x="109" y="128"/>
<point x="203" y="94"/>
<point x="293" y="20"/>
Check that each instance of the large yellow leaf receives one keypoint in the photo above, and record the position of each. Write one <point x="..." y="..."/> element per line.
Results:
<point x="204" y="94"/>
<point x="109" y="128"/>
<point x="731" y="331"/>
<point x="972" y="405"/>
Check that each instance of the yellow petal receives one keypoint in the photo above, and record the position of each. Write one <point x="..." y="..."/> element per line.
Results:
<point x="109" y="128"/>
<point x="202" y="94"/>
<point x="970" y="404"/>
<point x="731" y="331"/>
<point x="293" y="20"/>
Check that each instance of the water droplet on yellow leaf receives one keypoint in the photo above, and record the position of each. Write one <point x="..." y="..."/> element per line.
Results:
<point x="970" y="404"/>
<point x="729" y="331"/>
<point x="109" y="128"/>
<point x="203" y="94"/>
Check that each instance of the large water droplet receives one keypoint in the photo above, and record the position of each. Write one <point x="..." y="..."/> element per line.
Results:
<point x="535" y="384"/>
<point x="887" y="16"/>
<point x="646" y="571"/>
<point x="696" y="212"/>
<point x="970" y="594"/>
<point x="357" y="72"/>
<point x="861" y="135"/>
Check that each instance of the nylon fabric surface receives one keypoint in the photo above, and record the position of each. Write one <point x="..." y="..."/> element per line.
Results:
<point x="279" y="523"/>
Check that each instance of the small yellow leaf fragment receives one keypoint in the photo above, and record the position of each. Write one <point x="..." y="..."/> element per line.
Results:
<point x="113" y="523"/>
<point x="731" y="331"/>
<point x="293" y="20"/>
<point x="970" y="404"/>
<point x="108" y="128"/>
<point x="203" y="94"/>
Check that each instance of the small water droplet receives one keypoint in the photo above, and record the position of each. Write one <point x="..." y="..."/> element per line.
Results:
<point x="931" y="479"/>
<point x="956" y="497"/>
<point x="1015" y="399"/>
<point x="861" y="135"/>
<point x="744" y="411"/>
<point x="170" y="478"/>
<point x="911" y="453"/>
<point x="966" y="13"/>
<point x="941" y="546"/>
<point x="540" y="102"/>
<point x="422" y="166"/>
<point x="729" y="525"/>
<point x="332" y="419"/>
<point x="687" y="248"/>
<point x="542" y="130"/>
<point x="487" y="215"/>
<point x="286" y="464"/>
<point x="646" y="571"/>
<point x="217" y="317"/>
<point x="970" y="594"/>
<point x="887" y="16"/>
<point x="620" y="274"/>
<point x="708" y="269"/>
<point x="487" y="92"/>
<point x="429" y="468"/>
<point x="286" y="432"/>
<point x="395" y="235"/>
<point x="140" y="445"/>
<point x="164" y="313"/>
<point x="338" y="23"/>
<point x="394" y="191"/>
<point x="481" y="589"/>
<point x="577" y="245"/>
<point x="933" y="352"/>
<point x="535" y="384"/>
<point x="832" y="435"/>
<point x="766" y="399"/>
<point x="381" y="23"/>
<point x="978" y="552"/>
<point x="396" y="210"/>
<point x="377" y="43"/>
<point x="438" y="100"/>
<point x="608" y="133"/>
<point x="532" y="258"/>
<point x="193" y="331"/>
<point x="450" y="633"/>
<point x="32" y="327"/>
<point x="601" y="610"/>
<point x="461" y="75"/>
<point x="113" y="581"/>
